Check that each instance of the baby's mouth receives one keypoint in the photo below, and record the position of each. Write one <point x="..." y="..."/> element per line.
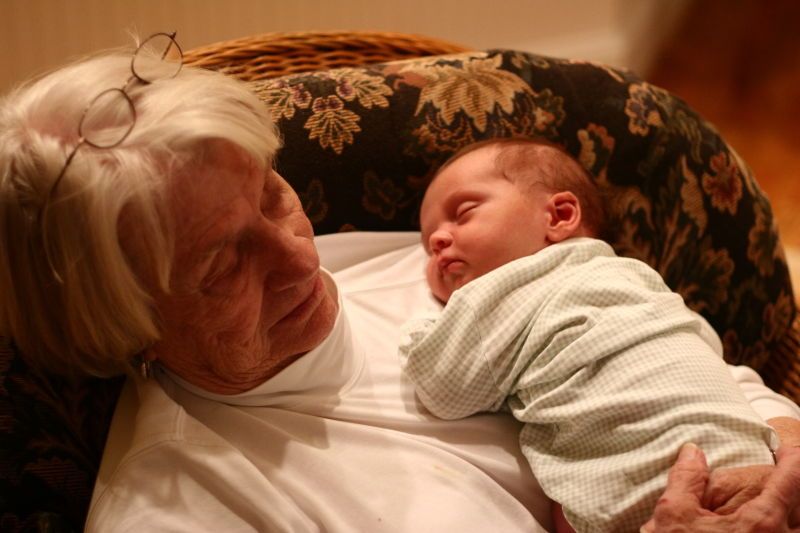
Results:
<point x="451" y="266"/>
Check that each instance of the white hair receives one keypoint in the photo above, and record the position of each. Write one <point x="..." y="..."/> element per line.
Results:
<point x="102" y="315"/>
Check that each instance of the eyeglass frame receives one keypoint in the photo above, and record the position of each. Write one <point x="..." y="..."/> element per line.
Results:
<point x="82" y="140"/>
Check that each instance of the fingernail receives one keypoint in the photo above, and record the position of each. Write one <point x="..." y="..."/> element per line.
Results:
<point x="689" y="452"/>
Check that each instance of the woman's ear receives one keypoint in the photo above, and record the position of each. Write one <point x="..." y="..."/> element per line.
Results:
<point x="563" y="216"/>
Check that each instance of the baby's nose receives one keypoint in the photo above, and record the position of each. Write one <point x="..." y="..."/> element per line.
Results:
<point x="439" y="240"/>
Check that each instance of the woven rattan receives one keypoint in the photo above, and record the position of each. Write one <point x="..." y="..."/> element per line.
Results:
<point x="275" y="54"/>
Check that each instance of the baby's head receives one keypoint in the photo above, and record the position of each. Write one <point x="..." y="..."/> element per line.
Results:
<point x="499" y="200"/>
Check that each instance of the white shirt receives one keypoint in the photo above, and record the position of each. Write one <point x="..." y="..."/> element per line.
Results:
<point x="346" y="447"/>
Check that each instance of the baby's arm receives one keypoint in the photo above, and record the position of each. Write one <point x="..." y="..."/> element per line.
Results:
<point x="444" y="358"/>
<point x="764" y="401"/>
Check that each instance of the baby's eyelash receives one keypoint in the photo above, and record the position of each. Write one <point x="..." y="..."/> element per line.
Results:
<point x="465" y="208"/>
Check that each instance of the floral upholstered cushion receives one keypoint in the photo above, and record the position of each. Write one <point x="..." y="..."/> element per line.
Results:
<point x="361" y="145"/>
<point x="52" y="434"/>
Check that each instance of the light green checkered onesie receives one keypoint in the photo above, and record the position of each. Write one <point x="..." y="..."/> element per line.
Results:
<point x="606" y="366"/>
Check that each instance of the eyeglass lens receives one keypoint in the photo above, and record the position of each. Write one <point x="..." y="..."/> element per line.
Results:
<point x="108" y="119"/>
<point x="157" y="58"/>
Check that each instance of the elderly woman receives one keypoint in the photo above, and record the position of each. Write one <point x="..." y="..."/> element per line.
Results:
<point x="146" y="228"/>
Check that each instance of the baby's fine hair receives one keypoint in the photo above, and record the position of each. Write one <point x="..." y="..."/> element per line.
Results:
<point x="530" y="162"/>
<point x="102" y="315"/>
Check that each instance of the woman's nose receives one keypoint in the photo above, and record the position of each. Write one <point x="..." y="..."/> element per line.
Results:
<point x="439" y="240"/>
<point x="289" y="259"/>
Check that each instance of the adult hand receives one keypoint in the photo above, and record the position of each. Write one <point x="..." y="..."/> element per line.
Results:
<point x="680" y="507"/>
<point x="730" y="488"/>
<point x="788" y="430"/>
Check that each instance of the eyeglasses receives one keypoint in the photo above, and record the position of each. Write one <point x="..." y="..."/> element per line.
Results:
<point x="110" y="116"/>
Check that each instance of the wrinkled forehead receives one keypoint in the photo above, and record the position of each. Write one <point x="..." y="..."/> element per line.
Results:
<point x="205" y="192"/>
<point x="189" y="176"/>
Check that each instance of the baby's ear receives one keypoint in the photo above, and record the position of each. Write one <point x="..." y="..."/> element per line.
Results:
<point x="564" y="216"/>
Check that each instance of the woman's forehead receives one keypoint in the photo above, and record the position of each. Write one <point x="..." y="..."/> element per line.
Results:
<point x="211" y="194"/>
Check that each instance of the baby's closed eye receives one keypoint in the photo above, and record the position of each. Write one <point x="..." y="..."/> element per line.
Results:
<point x="464" y="210"/>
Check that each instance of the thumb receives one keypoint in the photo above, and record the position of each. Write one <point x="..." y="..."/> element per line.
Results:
<point x="691" y="454"/>
<point x="689" y="474"/>
<point x="686" y="483"/>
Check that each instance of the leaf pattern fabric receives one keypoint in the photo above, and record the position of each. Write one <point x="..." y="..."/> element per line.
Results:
<point x="680" y="198"/>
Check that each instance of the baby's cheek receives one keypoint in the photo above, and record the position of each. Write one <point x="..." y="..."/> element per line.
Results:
<point x="436" y="282"/>
<point x="430" y="272"/>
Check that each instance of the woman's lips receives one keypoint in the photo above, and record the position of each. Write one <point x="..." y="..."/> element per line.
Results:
<point x="309" y="304"/>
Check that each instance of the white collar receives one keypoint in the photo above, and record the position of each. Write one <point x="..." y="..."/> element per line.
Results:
<point x="319" y="376"/>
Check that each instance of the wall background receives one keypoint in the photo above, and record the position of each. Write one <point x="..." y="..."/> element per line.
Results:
<point x="37" y="35"/>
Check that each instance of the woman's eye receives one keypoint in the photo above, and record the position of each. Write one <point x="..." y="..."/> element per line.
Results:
<point x="227" y="270"/>
<point x="223" y="268"/>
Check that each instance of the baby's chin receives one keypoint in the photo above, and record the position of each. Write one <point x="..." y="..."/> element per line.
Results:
<point x="441" y="294"/>
<point x="444" y="291"/>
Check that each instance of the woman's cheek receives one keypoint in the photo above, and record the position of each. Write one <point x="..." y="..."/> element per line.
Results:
<point x="247" y="292"/>
<point x="240" y="296"/>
